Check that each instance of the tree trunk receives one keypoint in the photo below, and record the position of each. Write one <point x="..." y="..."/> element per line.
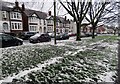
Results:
<point x="118" y="79"/>
<point x="114" y="32"/>
<point x="93" y="32"/>
<point x="78" y="31"/>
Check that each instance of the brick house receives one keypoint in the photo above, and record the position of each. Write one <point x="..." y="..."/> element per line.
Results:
<point x="36" y="21"/>
<point x="62" y="25"/>
<point x="5" y="19"/>
<point x="13" y="19"/>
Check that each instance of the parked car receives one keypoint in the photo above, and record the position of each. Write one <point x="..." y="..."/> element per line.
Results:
<point x="71" y="34"/>
<point x="90" y="34"/>
<point x="26" y="35"/>
<point x="52" y="34"/>
<point x="44" y="37"/>
<point x="62" y="36"/>
<point x="82" y="35"/>
<point x="8" y="40"/>
<point x="10" y="33"/>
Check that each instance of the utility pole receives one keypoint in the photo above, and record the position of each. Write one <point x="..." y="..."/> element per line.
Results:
<point x="55" y="22"/>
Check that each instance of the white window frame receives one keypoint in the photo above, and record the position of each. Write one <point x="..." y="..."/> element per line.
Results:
<point x="33" y="20"/>
<point x="44" y="22"/>
<point x="16" y="25"/>
<point x="4" y="14"/>
<point x="5" y="26"/>
<point x="16" y="15"/>
<point x="33" y="28"/>
<point x="49" y="21"/>
<point x="40" y="21"/>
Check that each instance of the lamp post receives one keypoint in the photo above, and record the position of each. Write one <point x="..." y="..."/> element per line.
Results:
<point x="55" y="22"/>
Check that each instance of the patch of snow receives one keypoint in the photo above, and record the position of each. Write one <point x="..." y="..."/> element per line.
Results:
<point x="77" y="51"/>
<point x="40" y="66"/>
<point x="107" y="77"/>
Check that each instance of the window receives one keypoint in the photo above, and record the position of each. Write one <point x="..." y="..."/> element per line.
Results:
<point x="33" y="19"/>
<point x="50" y="29"/>
<point x="44" y="29"/>
<point x="4" y="14"/>
<point x="32" y="28"/>
<point x="16" y="26"/>
<point x="66" y="30"/>
<point x="60" y="30"/>
<point x="44" y="22"/>
<point x="16" y="15"/>
<point x="49" y="21"/>
<point x="57" y="24"/>
<point x="57" y="30"/>
<point x="40" y="29"/>
<point x="40" y="21"/>
<point x="5" y="26"/>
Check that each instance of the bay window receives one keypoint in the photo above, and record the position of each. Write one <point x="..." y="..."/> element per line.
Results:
<point x="16" y="25"/>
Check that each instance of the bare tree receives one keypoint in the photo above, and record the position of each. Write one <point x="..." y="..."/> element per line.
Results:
<point x="112" y="13"/>
<point x="110" y="16"/>
<point x="118" y="17"/>
<point x="95" y="12"/>
<point x="77" y="9"/>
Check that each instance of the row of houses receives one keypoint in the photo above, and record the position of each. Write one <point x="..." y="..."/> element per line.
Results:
<point x="19" y="19"/>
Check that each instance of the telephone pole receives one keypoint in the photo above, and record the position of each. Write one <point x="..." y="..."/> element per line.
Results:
<point x="55" y="22"/>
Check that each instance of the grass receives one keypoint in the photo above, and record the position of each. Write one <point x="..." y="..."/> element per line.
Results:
<point x="85" y="64"/>
<point x="79" y="67"/>
<point x="22" y="58"/>
<point x="72" y="69"/>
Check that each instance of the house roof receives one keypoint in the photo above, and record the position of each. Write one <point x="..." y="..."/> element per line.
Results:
<point x="63" y="20"/>
<point x="28" y="12"/>
<point x="5" y="8"/>
<point x="58" y="19"/>
<point x="40" y="14"/>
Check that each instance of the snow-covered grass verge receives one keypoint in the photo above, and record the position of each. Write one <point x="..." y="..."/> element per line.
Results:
<point x="16" y="59"/>
<point x="83" y="61"/>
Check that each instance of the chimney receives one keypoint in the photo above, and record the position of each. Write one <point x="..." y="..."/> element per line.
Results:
<point x="49" y="13"/>
<point x="16" y="4"/>
<point x="23" y="7"/>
